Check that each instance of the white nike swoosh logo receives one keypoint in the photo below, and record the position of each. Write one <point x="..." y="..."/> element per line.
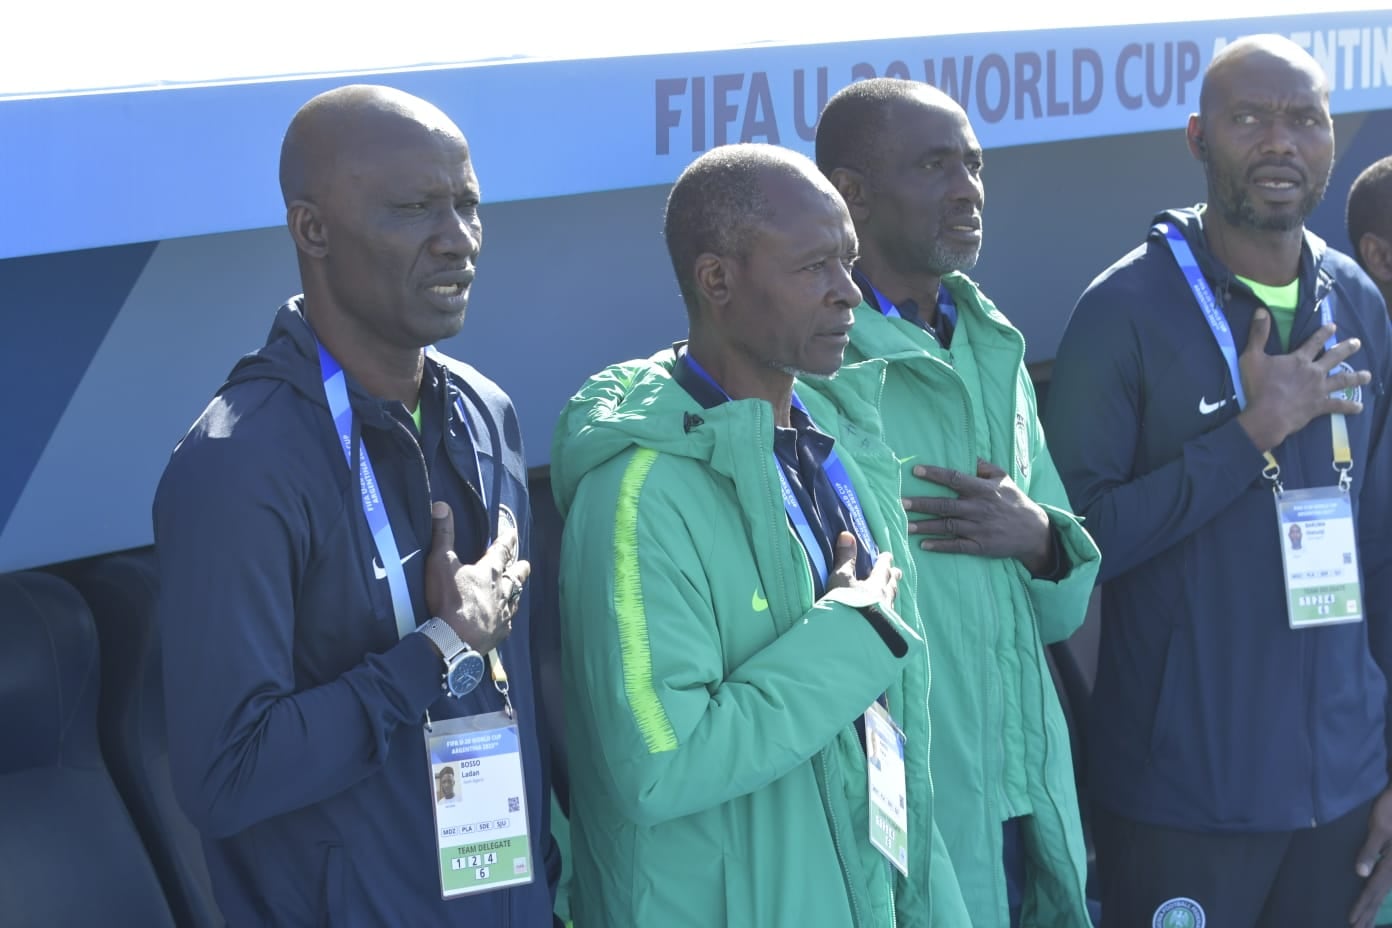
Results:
<point x="1206" y="408"/>
<point x="380" y="572"/>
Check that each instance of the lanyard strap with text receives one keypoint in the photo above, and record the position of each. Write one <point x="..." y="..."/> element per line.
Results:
<point x="336" y="392"/>
<point x="840" y="482"/>
<point x="1222" y="334"/>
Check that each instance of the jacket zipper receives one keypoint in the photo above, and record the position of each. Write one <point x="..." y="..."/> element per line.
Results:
<point x="485" y="702"/>
<point x="1294" y="462"/>
<point x="991" y="669"/>
<point x="824" y="787"/>
<point x="1320" y="291"/>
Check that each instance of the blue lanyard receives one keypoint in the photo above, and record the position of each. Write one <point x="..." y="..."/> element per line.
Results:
<point x="1213" y="313"/>
<point x="336" y="391"/>
<point x="840" y="482"/>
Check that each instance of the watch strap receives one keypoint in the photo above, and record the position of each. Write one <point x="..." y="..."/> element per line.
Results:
<point x="444" y="637"/>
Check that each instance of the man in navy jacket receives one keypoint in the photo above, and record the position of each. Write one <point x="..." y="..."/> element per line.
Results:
<point x="1238" y="763"/>
<point x="298" y="682"/>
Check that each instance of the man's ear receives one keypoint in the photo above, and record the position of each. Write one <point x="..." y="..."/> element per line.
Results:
<point x="1376" y="253"/>
<point x="850" y="183"/>
<point x="1194" y="136"/>
<point x="307" y="228"/>
<point x="712" y="276"/>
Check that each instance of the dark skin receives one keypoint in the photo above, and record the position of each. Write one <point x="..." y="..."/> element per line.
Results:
<point x="786" y="304"/>
<point x="1376" y="252"/>
<point x="382" y="203"/>
<point x="446" y="783"/>
<point x="1266" y="142"/>
<point x="917" y="208"/>
<point x="917" y="205"/>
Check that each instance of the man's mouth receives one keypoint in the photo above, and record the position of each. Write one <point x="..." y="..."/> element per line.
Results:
<point x="450" y="285"/>
<point x="1276" y="177"/>
<point x="964" y="226"/>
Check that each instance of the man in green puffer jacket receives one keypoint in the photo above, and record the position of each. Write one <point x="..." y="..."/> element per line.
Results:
<point x="1003" y="566"/>
<point x="719" y="658"/>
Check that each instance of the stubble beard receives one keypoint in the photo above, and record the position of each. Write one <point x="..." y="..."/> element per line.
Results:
<point x="1239" y="211"/>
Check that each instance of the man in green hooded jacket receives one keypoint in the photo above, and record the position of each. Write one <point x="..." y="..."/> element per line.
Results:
<point x="730" y="634"/>
<point x="1004" y="568"/>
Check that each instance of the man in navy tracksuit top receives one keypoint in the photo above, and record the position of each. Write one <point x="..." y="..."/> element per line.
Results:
<point x="1239" y="757"/>
<point x="302" y="648"/>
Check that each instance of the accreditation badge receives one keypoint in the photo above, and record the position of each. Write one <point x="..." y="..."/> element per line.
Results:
<point x="889" y="812"/>
<point x="1320" y="553"/>
<point x="480" y="803"/>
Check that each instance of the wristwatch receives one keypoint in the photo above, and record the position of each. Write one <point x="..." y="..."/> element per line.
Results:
<point x="464" y="666"/>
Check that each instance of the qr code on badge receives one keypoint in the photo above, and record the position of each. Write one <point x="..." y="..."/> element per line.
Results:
<point x="514" y="804"/>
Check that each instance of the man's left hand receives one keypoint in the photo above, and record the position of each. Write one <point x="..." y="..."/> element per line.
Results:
<point x="989" y="517"/>
<point x="1374" y="863"/>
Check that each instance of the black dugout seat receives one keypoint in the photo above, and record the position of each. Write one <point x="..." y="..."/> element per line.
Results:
<point x="69" y="854"/>
<point x="121" y="591"/>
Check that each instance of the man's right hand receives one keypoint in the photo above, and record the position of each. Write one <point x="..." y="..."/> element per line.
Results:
<point x="883" y="581"/>
<point x="474" y="599"/>
<point x="1285" y="392"/>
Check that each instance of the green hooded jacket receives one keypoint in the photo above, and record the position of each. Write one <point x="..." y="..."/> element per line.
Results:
<point x="716" y="774"/>
<point x="1000" y="742"/>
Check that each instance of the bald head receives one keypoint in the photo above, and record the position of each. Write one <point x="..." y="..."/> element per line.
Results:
<point x="382" y="204"/>
<point x="719" y="201"/>
<point x="1266" y="140"/>
<point x="857" y="120"/>
<point x="1257" y="52"/>
<point x="347" y="124"/>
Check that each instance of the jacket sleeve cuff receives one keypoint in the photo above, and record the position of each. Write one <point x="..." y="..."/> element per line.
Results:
<point x="1061" y="564"/>
<point x="897" y="636"/>
<point x="1233" y="450"/>
<point x="414" y="666"/>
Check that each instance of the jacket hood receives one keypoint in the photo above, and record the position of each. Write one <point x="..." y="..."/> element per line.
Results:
<point x="291" y="355"/>
<point x="1190" y="223"/>
<point x="289" y="345"/>
<point x="638" y="404"/>
<point x="634" y="403"/>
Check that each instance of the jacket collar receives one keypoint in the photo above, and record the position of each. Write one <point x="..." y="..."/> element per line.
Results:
<point x="1315" y="279"/>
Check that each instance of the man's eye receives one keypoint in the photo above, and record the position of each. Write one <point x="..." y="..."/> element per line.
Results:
<point x="815" y="266"/>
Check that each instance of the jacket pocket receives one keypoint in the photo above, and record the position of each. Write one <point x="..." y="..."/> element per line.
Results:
<point x="1167" y="692"/>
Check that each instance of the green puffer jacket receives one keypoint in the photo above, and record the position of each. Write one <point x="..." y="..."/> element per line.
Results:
<point x="716" y="774"/>
<point x="1000" y="741"/>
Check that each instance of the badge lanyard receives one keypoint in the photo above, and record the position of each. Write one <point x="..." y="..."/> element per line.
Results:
<point x="1222" y="333"/>
<point x="336" y="392"/>
<point x="840" y="482"/>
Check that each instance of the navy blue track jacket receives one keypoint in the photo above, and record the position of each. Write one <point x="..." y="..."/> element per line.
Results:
<point x="1209" y="712"/>
<point x="294" y="711"/>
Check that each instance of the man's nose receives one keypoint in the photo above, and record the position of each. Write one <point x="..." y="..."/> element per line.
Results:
<point x="459" y="234"/>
